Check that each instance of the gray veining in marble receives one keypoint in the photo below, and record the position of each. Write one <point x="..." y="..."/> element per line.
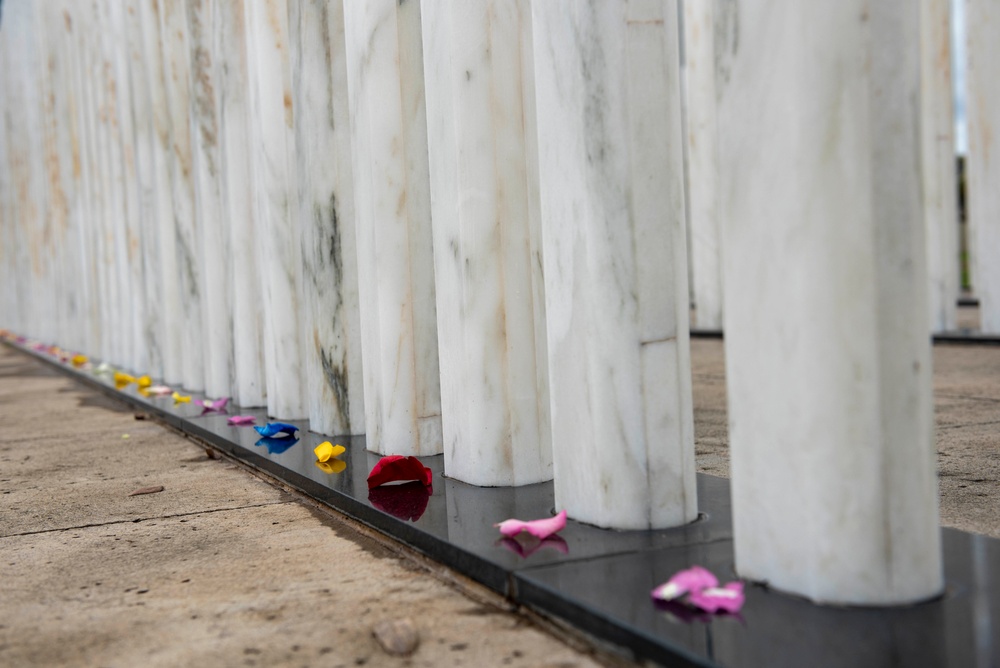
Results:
<point x="279" y="254"/>
<point x="613" y="237"/>
<point x="326" y="218"/>
<point x="392" y="207"/>
<point x="487" y="241"/>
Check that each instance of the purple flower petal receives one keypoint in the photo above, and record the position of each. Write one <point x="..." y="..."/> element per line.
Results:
<point x="537" y="528"/>
<point x="728" y="598"/>
<point x="690" y="580"/>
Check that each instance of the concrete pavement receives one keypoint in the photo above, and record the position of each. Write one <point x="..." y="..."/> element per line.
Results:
<point x="221" y="568"/>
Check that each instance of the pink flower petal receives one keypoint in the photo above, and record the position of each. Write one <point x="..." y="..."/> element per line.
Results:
<point x="690" y="580"/>
<point x="728" y="598"/>
<point x="217" y="405"/>
<point x="158" y="391"/>
<point x="537" y="528"/>
<point x="241" y="420"/>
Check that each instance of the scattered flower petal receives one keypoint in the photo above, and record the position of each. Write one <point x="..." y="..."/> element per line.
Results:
<point x="727" y="598"/>
<point x="123" y="380"/>
<point x="147" y="490"/>
<point x="537" y="528"/>
<point x="158" y="391"/>
<point x="219" y="405"/>
<point x="144" y="382"/>
<point x="78" y="360"/>
<point x="277" y="444"/>
<point x="181" y="398"/>
<point x="683" y="582"/>
<point x="407" y="501"/>
<point x="395" y="468"/>
<point x="241" y="420"/>
<point x="275" y="428"/>
<point x="332" y="466"/>
<point x="327" y="449"/>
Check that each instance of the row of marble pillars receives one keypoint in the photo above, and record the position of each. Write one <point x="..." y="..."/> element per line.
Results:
<point x="461" y="227"/>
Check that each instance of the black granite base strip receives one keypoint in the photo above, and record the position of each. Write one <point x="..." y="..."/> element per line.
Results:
<point x="599" y="580"/>
<point x="960" y="337"/>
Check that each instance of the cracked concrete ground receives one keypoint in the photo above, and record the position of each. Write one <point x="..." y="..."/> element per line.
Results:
<point x="221" y="568"/>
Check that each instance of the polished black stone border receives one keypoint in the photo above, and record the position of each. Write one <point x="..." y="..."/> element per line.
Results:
<point x="599" y="580"/>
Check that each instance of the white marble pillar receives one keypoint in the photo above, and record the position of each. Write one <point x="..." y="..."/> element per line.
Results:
<point x="237" y="196"/>
<point x="827" y="349"/>
<point x="26" y="143"/>
<point x="176" y="64"/>
<point x="702" y="162"/>
<point x="96" y="327"/>
<point x="152" y="324"/>
<point x="938" y="163"/>
<point x="487" y="240"/>
<point x="326" y="224"/>
<point x="392" y="205"/>
<point x="212" y="228"/>
<point x="160" y="223"/>
<point x="983" y="195"/>
<point x="68" y="153"/>
<point x="129" y="240"/>
<point x="279" y="253"/>
<point x="610" y="163"/>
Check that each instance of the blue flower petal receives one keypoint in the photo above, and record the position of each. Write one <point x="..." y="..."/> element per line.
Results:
<point x="275" y="428"/>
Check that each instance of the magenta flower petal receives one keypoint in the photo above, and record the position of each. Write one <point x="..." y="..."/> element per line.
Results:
<point x="537" y="528"/>
<point x="241" y="420"/>
<point x="728" y="598"/>
<point x="690" y="580"/>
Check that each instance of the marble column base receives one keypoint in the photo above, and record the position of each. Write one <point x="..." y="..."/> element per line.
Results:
<point x="392" y="207"/>
<point x="612" y="201"/>
<point x="828" y="359"/>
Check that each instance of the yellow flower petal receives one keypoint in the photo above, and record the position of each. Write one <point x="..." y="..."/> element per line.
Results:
<point x="143" y="382"/>
<point x="332" y="466"/>
<point x="180" y="398"/>
<point x="122" y="380"/>
<point x="79" y="360"/>
<point x="326" y="450"/>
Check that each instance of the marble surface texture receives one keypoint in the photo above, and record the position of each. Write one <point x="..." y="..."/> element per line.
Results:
<point x="392" y="207"/>
<point x="940" y="187"/>
<point x="702" y="161"/>
<point x="326" y="224"/>
<point x="176" y="62"/>
<point x="983" y="85"/>
<point x="238" y="194"/>
<point x="95" y="328"/>
<point x="479" y="80"/>
<point x="144" y="129"/>
<point x="828" y="358"/>
<point x="164" y="270"/>
<point x="279" y="254"/>
<point x="212" y="227"/>
<point x="611" y="171"/>
<point x="128" y="247"/>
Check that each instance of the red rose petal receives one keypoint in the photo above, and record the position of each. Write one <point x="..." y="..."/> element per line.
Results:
<point x="397" y="468"/>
